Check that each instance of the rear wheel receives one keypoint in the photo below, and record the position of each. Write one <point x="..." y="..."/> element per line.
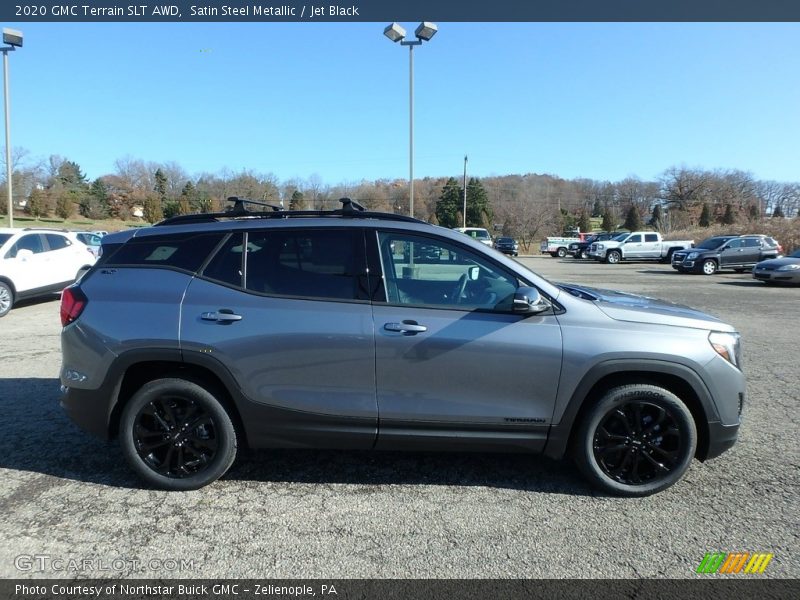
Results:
<point x="561" y="253"/>
<point x="176" y="435"/>
<point x="709" y="267"/>
<point x="6" y="299"/>
<point x="636" y="441"/>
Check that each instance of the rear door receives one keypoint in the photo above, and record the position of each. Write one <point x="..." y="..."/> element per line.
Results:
<point x="285" y="312"/>
<point x="455" y="368"/>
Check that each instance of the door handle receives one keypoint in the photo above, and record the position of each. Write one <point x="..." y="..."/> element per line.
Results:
<point x="406" y="327"/>
<point x="221" y="316"/>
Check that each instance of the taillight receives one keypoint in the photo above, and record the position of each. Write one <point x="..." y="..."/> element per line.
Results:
<point x="73" y="301"/>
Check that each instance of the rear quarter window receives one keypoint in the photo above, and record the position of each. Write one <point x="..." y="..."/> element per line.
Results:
<point x="185" y="252"/>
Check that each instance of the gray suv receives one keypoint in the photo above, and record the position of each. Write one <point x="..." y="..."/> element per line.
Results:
<point x="328" y="329"/>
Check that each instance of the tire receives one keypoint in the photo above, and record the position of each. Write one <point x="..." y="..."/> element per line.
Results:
<point x="6" y="298"/>
<point x="668" y="258"/>
<point x="554" y="254"/>
<point x="177" y="458"/>
<point x="740" y="270"/>
<point x="637" y="440"/>
<point x="561" y="252"/>
<point x="709" y="266"/>
<point x="613" y="257"/>
<point x="583" y="254"/>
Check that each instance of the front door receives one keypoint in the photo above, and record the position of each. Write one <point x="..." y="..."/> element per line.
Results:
<point x="455" y="367"/>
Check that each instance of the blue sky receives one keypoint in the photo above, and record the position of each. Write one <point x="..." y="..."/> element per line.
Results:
<point x="595" y="100"/>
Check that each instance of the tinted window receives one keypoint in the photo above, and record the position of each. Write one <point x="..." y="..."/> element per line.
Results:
<point x="227" y="264"/>
<point x="4" y="237"/>
<point x="635" y="239"/>
<point x="185" y="251"/>
<point x="441" y="274"/>
<point x="30" y="242"/>
<point x="308" y="263"/>
<point x="735" y="243"/>
<point x="712" y="243"/>
<point x="752" y="243"/>
<point x="650" y="237"/>
<point x="57" y="242"/>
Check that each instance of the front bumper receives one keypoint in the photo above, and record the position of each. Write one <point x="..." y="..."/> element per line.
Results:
<point x="720" y="438"/>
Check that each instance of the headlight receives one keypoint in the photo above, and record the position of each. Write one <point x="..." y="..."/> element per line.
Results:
<point x="600" y="246"/>
<point x="693" y="255"/>
<point x="728" y="346"/>
<point x="788" y="268"/>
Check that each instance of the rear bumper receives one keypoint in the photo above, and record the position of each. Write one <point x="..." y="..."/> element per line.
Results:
<point x="88" y="409"/>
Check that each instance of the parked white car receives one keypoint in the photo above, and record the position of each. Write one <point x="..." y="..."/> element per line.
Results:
<point x="479" y="233"/>
<point x="36" y="262"/>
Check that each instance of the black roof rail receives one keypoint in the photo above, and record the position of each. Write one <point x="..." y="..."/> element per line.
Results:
<point x="350" y="208"/>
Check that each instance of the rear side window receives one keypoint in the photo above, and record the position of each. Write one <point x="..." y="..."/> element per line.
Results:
<point x="650" y="237"/>
<point x="306" y="263"/>
<point x="186" y="252"/>
<point x="57" y="242"/>
<point x="752" y="243"/>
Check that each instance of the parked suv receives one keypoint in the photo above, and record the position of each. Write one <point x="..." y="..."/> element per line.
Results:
<point x="37" y="262"/>
<point x="315" y="329"/>
<point x="737" y="252"/>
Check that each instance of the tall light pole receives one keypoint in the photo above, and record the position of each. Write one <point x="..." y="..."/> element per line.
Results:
<point x="465" y="192"/>
<point x="424" y="33"/>
<point x="13" y="38"/>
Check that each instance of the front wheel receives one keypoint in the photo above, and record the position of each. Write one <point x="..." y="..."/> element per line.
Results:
<point x="6" y="299"/>
<point x="176" y="435"/>
<point x="613" y="257"/>
<point x="637" y="440"/>
<point x="709" y="267"/>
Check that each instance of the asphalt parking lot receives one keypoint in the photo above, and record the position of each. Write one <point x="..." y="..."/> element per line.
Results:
<point x="69" y="499"/>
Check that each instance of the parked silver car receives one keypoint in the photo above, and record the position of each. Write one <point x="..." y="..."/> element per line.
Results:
<point x="322" y="329"/>
<point x="779" y="270"/>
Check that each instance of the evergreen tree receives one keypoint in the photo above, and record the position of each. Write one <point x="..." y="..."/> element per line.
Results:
<point x="64" y="204"/>
<point x="633" y="222"/>
<point x="36" y="204"/>
<point x="160" y="187"/>
<point x="584" y="223"/>
<point x="608" y="221"/>
<point x="597" y="209"/>
<point x="70" y="174"/>
<point x="449" y="203"/>
<point x="753" y="213"/>
<point x="778" y="212"/>
<point x="187" y="200"/>
<point x="94" y="204"/>
<point x="705" y="216"/>
<point x="656" y="217"/>
<point x="478" y="212"/>
<point x="729" y="218"/>
<point x="152" y="209"/>
<point x="297" y="201"/>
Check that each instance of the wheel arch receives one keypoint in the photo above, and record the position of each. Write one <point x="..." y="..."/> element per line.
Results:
<point x="210" y="376"/>
<point x="10" y="284"/>
<point x="678" y="379"/>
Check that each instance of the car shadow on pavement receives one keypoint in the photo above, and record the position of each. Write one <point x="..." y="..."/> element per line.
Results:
<point x="37" y="436"/>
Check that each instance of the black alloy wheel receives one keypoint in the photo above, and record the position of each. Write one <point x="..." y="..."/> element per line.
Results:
<point x="176" y="435"/>
<point x="638" y="440"/>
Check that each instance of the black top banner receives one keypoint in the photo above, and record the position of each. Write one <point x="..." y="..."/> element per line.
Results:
<point x="400" y="10"/>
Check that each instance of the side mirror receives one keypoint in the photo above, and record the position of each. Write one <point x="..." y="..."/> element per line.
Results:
<point x="24" y="254"/>
<point x="528" y="300"/>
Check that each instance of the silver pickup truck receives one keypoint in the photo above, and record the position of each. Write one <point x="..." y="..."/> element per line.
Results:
<point x="637" y="245"/>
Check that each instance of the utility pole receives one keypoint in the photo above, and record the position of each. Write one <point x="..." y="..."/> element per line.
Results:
<point x="464" y="214"/>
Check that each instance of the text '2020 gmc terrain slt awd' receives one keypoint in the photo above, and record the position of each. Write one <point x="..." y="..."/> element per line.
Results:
<point x="327" y="329"/>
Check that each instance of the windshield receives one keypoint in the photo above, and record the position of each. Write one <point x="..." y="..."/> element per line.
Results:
<point x="620" y="237"/>
<point x="505" y="240"/>
<point x="480" y="234"/>
<point x="712" y="243"/>
<point x="4" y="237"/>
<point x="795" y="254"/>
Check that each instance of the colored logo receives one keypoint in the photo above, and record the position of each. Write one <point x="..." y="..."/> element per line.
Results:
<point x="734" y="562"/>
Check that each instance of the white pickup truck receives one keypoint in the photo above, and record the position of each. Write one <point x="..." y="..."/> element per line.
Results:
<point x="637" y="245"/>
<point x="557" y="246"/>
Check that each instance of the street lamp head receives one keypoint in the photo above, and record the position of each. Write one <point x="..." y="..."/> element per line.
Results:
<point x="426" y="31"/>
<point x="12" y="37"/>
<point x="394" y="32"/>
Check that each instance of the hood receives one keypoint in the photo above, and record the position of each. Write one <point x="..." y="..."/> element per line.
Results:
<point x="774" y="263"/>
<point x="634" y="308"/>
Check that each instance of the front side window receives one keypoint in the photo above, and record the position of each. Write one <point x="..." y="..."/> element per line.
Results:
<point x="430" y="272"/>
<point x="634" y="239"/>
<point x="735" y="243"/>
<point x="307" y="263"/>
<point x="32" y="242"/>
